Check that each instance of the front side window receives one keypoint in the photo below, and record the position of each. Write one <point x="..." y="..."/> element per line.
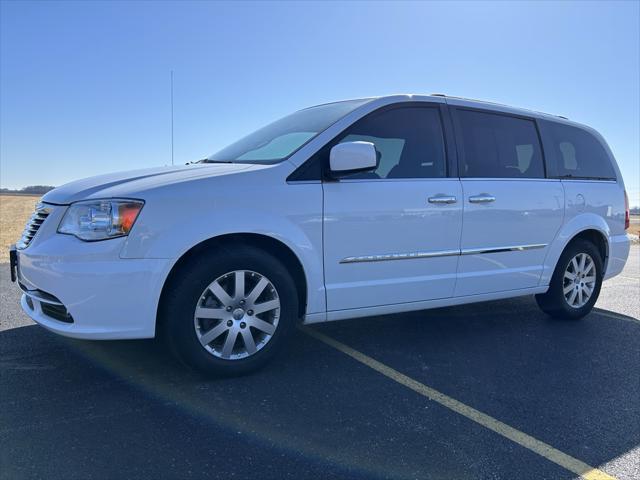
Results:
<point x="499" y="146"/>
<point x="577" y="153"/>
<point x="409" y="142"/>
<point x="282" y="138"/>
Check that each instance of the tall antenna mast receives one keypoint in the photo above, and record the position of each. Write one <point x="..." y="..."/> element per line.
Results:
<point x="171" y="117"/>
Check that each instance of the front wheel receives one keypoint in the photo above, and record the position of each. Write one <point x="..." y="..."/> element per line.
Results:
<point x="228" y="312"/>
<point x="575" y="284"/>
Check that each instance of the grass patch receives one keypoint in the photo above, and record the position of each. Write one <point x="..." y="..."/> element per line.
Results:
<point x="15" y="210"/>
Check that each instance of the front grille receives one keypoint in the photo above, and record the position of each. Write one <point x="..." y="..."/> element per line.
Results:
<point x="33" y="225"/>
<point x="58" y="312"/>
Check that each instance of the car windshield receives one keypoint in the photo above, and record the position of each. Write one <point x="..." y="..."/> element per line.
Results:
<point x="280" y="139"/>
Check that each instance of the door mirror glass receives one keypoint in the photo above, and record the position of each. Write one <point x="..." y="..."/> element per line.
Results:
<point x="353" y="157"/>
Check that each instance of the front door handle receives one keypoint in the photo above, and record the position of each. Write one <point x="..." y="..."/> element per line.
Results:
<point x="442" y="199"/>
<point x="482" y="198"/>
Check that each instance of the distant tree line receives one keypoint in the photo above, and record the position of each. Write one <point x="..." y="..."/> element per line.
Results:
<point x="30" y="190"/>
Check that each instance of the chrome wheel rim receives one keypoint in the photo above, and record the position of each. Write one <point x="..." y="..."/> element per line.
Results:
<point x="237" y="314"/>
<point x="579" y="280"/>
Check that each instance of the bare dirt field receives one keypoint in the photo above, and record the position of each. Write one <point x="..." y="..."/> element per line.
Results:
<point x="14" y="212"/>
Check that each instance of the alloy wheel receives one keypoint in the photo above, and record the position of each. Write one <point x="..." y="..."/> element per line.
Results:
<point x="579" y="280"/>
<point x="237" y="314"/>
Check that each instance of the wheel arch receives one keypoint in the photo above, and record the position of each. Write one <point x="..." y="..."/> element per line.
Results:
<point x="264" y="242"/>
<point x="589" y="227"/>
<point x="596" y="237"/>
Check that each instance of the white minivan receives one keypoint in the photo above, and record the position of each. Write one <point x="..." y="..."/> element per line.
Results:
<point x="348" y="209"/>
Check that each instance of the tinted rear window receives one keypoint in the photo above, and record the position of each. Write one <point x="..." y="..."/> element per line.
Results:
<point x="499" y="146"/>
<point x="576" y="153"/>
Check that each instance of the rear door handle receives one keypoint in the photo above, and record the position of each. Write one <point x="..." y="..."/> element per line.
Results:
<point x="482" y="198"/>
<point x="442" y="199"/>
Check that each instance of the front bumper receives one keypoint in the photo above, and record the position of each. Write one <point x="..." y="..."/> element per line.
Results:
<point x="105" y="296"/>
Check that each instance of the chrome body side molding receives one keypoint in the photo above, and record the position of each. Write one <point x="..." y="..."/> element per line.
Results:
<point x="515" y="248"/>
<point x="442" y="253"/>
<point x="399" y="256"/>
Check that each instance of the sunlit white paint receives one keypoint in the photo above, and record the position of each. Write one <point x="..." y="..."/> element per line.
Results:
<point x="112" y="288"/>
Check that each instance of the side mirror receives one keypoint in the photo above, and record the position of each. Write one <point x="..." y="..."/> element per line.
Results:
<point x="352" y="157"/>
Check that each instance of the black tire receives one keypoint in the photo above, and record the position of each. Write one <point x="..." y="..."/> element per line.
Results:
<point x="184" y="293"/>
<point x="553" y="302"/>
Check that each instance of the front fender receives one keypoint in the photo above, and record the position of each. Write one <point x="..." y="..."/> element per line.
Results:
<point x="168" y="227"/>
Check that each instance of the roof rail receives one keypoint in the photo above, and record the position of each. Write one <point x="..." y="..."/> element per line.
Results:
<point x="495" y="103"/>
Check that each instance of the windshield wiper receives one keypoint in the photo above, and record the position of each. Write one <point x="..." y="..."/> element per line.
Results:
<point x="206" y="160"/>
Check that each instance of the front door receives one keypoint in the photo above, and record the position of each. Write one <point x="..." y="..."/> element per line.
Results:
<point x="512" y="212"/>
<point x="392" y="236"/>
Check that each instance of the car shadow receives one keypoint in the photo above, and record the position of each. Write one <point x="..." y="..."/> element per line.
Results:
<point x="79" y="409"/>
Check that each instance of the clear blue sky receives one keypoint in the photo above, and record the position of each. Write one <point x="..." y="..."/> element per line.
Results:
<point x="85" y="86"/>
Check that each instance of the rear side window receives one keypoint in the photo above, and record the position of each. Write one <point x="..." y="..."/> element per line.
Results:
<point x="576" y="153"/>
<point x="499" y="146"/>
<point x="409" y="142"/>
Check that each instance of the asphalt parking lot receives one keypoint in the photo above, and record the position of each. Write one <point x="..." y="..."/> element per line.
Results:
<point x="492" y="391"/>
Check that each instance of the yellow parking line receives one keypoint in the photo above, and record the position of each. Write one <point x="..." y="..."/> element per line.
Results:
<point x="527" y="441"/>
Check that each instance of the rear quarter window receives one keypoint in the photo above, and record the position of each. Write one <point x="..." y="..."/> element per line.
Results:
<point x="575" y="153"/>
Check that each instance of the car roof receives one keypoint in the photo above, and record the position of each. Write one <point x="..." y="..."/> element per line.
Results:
<point x="485" y="105"/>
<point x="466" y="102"/>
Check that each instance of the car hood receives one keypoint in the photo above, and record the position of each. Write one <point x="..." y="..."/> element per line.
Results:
<point x="129" y="183"/>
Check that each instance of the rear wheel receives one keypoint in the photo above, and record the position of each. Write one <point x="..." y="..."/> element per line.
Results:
<point x="228" y="312"/>
<point x="576" y="281"/>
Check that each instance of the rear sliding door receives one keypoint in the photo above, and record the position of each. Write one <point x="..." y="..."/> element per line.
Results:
<point x="511" y="211"/>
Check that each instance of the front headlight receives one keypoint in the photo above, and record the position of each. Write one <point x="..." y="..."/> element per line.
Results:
<point x="100" y="219"/>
